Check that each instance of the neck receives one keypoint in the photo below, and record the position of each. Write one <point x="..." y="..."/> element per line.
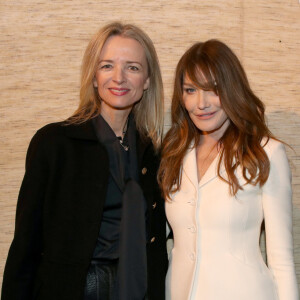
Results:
<point x="212" y="137"/>
<point x="116" y="119"/>
<point x="206" y="139"/>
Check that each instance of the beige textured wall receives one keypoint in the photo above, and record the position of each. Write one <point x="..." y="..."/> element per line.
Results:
<point x="42" y="43"/>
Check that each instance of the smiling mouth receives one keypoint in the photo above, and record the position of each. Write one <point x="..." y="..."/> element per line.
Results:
<point x="206" y="116"/>
<point x="118" y="91"/>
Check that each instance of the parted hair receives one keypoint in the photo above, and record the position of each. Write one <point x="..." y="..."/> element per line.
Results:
<point x="212" y="65"/>
<point x="148" y="112"/>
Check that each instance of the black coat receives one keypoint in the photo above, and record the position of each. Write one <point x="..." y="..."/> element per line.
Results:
<point x="59" y="215"/>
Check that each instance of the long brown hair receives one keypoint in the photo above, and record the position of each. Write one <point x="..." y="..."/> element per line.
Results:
<point x="213" y="66"/>
<point x="148" y="112"/>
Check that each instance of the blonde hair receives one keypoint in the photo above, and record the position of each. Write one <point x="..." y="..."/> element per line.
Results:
<point x="148" y="112"/>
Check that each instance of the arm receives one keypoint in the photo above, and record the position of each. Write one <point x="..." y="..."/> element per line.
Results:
<point x="26" y="248"/>
<point x="277" y="207"/>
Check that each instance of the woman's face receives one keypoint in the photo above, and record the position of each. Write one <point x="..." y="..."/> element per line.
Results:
<point x="122" y="74"/>
<point x="204" y="109"/>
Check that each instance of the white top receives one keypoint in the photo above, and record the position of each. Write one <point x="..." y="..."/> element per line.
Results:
<point x="216" y="254"/>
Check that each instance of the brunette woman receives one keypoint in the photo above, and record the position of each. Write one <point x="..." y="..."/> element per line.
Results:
<point x="223" y="173"/>
<point x="90" y="221"/>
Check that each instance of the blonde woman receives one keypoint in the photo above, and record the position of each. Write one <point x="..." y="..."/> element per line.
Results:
<point x="90" y="220"/>
<point x="223" y="173"/>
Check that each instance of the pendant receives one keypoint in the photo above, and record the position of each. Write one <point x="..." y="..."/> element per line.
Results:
<point x="126" y="148"/>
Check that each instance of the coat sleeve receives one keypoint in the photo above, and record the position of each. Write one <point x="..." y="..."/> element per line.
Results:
<point x="277" y="207"/>
<point x="26" y="248"/>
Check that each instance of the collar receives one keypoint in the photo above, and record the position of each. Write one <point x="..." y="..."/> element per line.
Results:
<point x="104" y="132"/>
<point x="142" y="144"/>
<point x="190" y="168"/>
<point x="86" y="131"/>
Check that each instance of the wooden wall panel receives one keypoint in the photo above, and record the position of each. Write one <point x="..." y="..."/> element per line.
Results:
<point x="42" y="43"/>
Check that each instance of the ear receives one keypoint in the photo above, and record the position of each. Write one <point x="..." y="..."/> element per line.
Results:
<point x="146" y="84"/>
<point x="95" y="84"/>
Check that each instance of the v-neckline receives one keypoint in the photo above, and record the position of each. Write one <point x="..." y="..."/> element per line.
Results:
<point x="190" y="169"/>
<point x="210" y="171"/>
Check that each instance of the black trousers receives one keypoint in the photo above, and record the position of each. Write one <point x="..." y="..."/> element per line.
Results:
<point x="100" y="280"/>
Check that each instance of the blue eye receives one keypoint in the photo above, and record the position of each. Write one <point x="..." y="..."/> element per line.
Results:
<point x="189" y="90"/>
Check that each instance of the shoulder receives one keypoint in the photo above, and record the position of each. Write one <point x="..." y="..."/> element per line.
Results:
<point x="47" y="133"/>
<point x="278" y="158"/>
<point x="42" y="140"/>
<point x="50" y="130"/>
<point x="63" y="131"/>
<point x="272" y="146"/>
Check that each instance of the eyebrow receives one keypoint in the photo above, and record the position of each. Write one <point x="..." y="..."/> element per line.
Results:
<point x="133" y="62"/>
<point x="105" y="60"/>
<point x="128" y="62"/>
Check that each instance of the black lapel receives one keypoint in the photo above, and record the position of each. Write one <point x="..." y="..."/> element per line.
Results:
<point x="142" y="143"/>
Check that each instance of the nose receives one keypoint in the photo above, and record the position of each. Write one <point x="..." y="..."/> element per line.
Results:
<point x="202" y="99"/>
<point x="118" y="75"/>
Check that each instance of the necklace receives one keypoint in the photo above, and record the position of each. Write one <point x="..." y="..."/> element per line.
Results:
<point x="125" y="147"/>
<point x="121" y="138"/>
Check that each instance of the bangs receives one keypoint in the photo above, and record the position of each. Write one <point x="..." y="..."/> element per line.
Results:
<point x="201" y="74"/>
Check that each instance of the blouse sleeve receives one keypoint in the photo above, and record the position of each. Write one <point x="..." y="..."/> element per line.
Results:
<point x="277" y="207"/>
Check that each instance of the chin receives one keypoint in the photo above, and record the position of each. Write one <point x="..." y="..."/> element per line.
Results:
<point x="119" y="106"/>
